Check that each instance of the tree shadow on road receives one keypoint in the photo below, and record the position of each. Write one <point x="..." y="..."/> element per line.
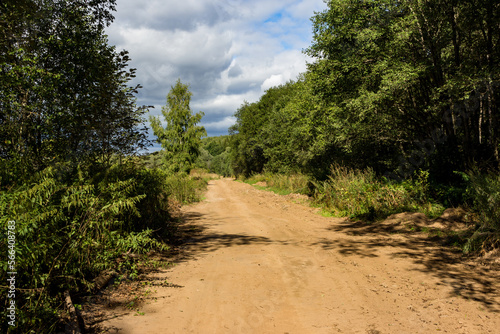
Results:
<point x="196" y="237"/>
<point x="433" y="253"/>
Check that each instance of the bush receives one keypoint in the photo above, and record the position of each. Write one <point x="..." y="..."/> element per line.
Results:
<point x="68" y="232"/>
<point x="483" y="195"/>
<point x="360" y="194"/>
<point x="185" y="189"/>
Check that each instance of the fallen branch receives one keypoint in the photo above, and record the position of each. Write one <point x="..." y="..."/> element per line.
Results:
<point x="72" y="327"/>
<point x="103" y="279"/>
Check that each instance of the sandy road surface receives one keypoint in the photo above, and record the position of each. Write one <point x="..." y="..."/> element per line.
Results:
<point x="263" y="264"/>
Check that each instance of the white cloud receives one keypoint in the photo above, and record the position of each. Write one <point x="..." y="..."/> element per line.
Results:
<point x="228" y="51"/>
<point x="220" y="125"/>
<point x="272" y="81"/>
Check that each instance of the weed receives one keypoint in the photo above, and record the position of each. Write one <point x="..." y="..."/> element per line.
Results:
<point x="280" y="183"/>
<point x="360" y="194"/>
<point x="185" y="189"/>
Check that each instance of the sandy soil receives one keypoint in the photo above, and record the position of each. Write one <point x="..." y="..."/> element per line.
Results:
<point x="264" y="264"/>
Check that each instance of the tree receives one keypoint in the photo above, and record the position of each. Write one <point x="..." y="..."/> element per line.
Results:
<point x="181" y="137"/>
<point x="65" y="104"/>
<point x="63" y="89"/>
<point x="410" y="79"/>
<point x="250" y="140"/>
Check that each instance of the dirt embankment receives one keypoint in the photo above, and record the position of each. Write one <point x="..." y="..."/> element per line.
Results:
<point x="263" y="264"/>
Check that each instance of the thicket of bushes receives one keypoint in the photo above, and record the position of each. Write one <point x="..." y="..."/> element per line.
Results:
<point x="361" y="194"/>
<point x="72" y="226"/>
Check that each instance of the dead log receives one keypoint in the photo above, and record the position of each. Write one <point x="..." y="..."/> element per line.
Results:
<point x="73" y="326"/>
<point x="103" y="279"/>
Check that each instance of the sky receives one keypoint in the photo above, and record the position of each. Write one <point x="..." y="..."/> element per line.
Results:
<point x="227" y="51"/>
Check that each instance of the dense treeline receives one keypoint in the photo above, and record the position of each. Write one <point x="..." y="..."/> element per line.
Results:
<point x="400" y="88"/>
<point x="74" y="200"/>
<point x="395" y="85"/>
<point x="215" y="155"/>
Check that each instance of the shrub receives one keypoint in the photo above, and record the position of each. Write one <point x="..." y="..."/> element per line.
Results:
<point x="483" y="195"/>
<point x="68" y="232"/>
<point x="185" y="189"/>
<point x="360" y="194"/>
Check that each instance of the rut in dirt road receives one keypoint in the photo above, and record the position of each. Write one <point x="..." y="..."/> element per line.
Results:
<point x="264" y="264"/>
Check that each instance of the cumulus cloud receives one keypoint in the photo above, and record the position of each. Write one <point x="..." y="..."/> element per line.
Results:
<point x="220" y="125"/>
<point x="228" y="51"/>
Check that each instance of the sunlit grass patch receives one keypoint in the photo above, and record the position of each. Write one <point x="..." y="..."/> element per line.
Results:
<point x="360" y="194"/>
<point x="280" y="183"/>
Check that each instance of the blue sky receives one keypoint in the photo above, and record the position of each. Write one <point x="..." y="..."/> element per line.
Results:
<point x="228" y="51"/>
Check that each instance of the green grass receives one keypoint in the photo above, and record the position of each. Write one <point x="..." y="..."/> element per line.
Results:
<point x="274" y="190"/>
<point x="185" y="189"/>
<point x="280" y="183"/>
<point x="360" y="194"/>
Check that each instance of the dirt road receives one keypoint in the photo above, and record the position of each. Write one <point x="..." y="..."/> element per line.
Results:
<point x="264" y="264"/>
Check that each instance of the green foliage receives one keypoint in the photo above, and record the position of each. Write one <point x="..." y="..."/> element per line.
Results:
<point x="484" y="191"/>
<point x="185" y="189"/>
<point x="67" y="115"/>
<point x="63" y="90"/>
<point x="283" y="183"/>
<point x="297" y="138"/>
<point x="215" y="145"/>
<point x="215" y="155"/>
<point x="68" y="232"/>
<point x="204" y="159"/>
<point x="249" y="139"/>
<point x="154" y="207"/>
<point x="395" y="87"/>
<point x="411" y="81"/>
<point x="181" y="137"/>
<point x="153" y="160"/>
<point x="360" y="194"/>
<point x="221" y="164"/>
<point x="484" y="196"/>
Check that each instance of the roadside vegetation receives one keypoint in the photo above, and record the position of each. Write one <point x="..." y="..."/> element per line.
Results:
<point x="76" y="199"/>
<point x="215" y="155"/>
<point x="280" y="183"/>
<point x="483" y="198"/>
<point x="360" y="194"/>
<point x="398" y="111"/>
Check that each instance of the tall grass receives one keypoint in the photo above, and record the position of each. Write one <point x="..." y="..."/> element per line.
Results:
<point x="185" y="189"/>
<point x="360" y="194"/>
<point x="282" y="183"/>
